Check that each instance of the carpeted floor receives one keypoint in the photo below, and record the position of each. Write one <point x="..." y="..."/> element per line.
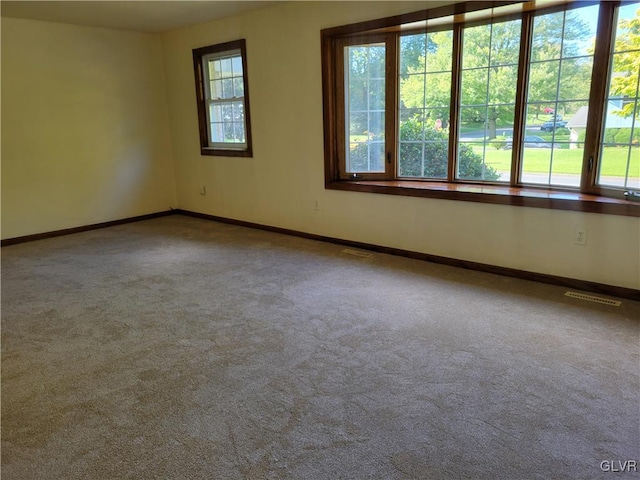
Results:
<point x="180" y="348"/>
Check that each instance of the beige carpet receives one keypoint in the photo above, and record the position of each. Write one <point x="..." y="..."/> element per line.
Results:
<point x="179" y="348"/>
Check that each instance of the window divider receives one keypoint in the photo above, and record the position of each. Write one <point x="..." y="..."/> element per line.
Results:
<point x="520" y="114"/>
<point x="598" y="97"/>
<point x="456" y="86"/>
<point x="340" y="124"/>
<point x="392" y="123"/>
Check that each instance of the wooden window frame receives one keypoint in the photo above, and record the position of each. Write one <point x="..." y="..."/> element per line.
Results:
<point x="588" y="198"/>
<point x="246" y="149"/>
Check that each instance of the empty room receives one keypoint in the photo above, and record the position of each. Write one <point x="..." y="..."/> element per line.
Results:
<point x="320" y="240"/>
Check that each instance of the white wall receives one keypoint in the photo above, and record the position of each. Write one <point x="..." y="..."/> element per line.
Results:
<point x="281" y="183"/>
<point x="86" y="138"/>
<point x="85" y="129"/>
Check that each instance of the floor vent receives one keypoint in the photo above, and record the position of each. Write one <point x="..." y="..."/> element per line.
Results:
<point x="592" y="298"/>
<point x="357" y="253"/>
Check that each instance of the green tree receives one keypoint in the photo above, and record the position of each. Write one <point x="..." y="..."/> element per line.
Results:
<point x="489" y="76"/>
<point x="626" y="65"/>
<point x="366" y="90"/>
<point x="556" y="35"/>
<point x="424" y="81"/>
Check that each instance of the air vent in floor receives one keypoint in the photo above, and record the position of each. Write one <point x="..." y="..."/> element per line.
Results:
<point x="592" y="298"/>
<point x="357" y="253"/>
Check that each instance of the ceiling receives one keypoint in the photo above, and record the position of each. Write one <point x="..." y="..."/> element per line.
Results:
<point x="140" y="15"/>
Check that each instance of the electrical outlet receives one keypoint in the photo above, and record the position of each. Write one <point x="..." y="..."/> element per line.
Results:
<point x="580" y="236"/>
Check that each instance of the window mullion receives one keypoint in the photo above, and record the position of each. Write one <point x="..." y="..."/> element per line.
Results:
<point x="598" y="97"/>
<point x="520" y="114"/>
<point x="391" y="105"/>
<point x="454" y="109"/>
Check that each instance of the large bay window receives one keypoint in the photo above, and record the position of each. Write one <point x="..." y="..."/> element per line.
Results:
<point x="495" y="102"/>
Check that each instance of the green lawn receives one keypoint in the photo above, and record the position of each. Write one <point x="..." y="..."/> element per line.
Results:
<point x="536" y="160"/>
<point x="564" y="160"/>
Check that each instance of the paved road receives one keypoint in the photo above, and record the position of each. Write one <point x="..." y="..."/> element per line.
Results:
<point x="501" y="132"/>
<point x="564" y="179"/>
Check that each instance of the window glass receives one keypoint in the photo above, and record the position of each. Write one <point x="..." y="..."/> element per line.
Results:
<point x="558" y="96"/>
<point x="425" y="97"/>
<point x="365" y="108"/>
<point x="225" y="99"/>
<point x="620" y="150"/>
<point x="488" y="94"/>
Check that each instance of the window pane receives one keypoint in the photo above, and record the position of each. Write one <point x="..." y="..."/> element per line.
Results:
<point x="620" y="158"/>
<point x="225" y="67"/>
<point x="425" y="97"/>
<point x="476" y="46"/>
<point x="488" y="83"/>
<point x="238" y="87"/>
<point x="227" y="88"/>
<point x="358" y="62"/>
<point x="580" y="32"/>
<point x="412" y="91"/>
<point x="424" y="145"/>
<point x="543" y="81"/>
<point x="474" y="86"/>
<point x="215" y="113"/>
<point x="376" y="125"/>
<point x="237" y="66"/>
<point x="557" y="97"/>
<point x="214" y="69"/>
<point x="216" y="89"/>
<point x="411" y="159"/>
<point x="238" y="132"/>
<point x="365" y="107"/>
<point x="376" y="94"/>
<point x="376" y="156"/>
<point x="505" y="43"/>
<point x="572" y="71"/>
<point x="228" y="132"/>
<point x="238" y="111"/>
<point x="439" y="47"/>
<point x="227" y="112"/>
<point x="217" y="132"/>
<point x="502" y="86"/>
<point x="479" y="161"/>
<point x="547" y="37"/>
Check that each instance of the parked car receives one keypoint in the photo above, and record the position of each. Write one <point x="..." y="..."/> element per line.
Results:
<point x="530" y="141"/>
<point x="552" y="125"/>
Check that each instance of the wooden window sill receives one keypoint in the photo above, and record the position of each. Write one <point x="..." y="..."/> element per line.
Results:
<point x="494" y="194"/>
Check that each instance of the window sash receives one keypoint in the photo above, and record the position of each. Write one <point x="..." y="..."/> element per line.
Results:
<point x="623" y="126"/>
<point x="223" y="101"/>
<point x="389" y="98"/>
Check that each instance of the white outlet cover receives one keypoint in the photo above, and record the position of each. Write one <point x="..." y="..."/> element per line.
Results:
<point x="580" y="236"/>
